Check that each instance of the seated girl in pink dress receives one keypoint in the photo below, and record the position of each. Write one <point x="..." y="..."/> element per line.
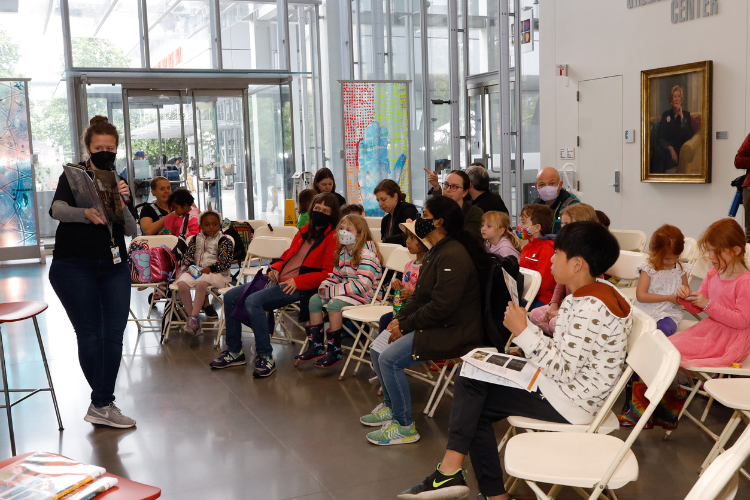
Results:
<point x="724" y="337"/>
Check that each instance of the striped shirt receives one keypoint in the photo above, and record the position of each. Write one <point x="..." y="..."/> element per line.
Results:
<point x="355" y="285"/>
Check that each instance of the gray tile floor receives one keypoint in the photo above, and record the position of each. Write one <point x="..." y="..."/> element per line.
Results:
<point x="223" y="435"/>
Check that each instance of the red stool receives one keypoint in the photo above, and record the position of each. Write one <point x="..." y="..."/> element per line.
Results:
<point x="17" y="311"/>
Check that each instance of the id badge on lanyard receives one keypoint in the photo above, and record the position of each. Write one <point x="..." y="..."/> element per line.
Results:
<point x="115" y="252"/>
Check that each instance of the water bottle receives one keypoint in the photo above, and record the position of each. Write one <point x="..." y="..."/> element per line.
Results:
<point x="195" y="271"/>
<point x="735" y="203"/>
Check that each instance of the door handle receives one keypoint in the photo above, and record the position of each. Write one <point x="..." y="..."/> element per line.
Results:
<point x="616" y="185"/>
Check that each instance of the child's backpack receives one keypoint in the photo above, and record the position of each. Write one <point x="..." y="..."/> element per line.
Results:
<point x="163" y="264"/>
<point x="496" y="297"/>
<point x="240" y="247"/>
<point x="139" y="260"/>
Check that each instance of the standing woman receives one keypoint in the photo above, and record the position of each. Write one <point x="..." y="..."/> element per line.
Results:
<point x="152" y="214"/>
<point x="92" y="285"/>
<point x="325" y="183"/>
<point x="397" y="211"/>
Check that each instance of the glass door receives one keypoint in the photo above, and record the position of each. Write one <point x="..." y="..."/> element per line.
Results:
<point x="485" y="130"/>
<point x="157" y="139"/>
<point x="217" y="146"/>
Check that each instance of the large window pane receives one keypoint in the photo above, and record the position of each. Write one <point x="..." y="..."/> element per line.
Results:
<point x="250" y="35"/>
<point x="180" y="34"/>
<point x="32" y="47"/>
<point x="439" y="82"/>
<point x="105" y="33"/>
<point x="483" y="36"/>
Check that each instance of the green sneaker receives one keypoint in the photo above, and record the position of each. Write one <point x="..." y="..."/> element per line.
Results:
<point x="393" y="433"/>
<point x="377" y="417"/>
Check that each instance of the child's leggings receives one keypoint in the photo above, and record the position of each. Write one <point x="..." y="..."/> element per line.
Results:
<point x="193" y="306"/>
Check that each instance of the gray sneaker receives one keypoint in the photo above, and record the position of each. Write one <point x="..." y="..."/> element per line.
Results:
<point x="110" y="415"/>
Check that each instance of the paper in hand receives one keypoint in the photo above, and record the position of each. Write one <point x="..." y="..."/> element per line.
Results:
<point x="512" y="285"/>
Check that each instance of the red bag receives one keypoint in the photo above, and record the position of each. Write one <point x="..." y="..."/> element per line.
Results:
<point x="163" y="264"/>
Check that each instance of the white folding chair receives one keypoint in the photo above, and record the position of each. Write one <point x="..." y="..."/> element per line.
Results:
<point x="626" y="269"/>
<point x="721" y="479"/>
<point x="373" y="222"/>
<point x="532" y="281"/>
<point x="376" y="235"/>
<point x="642" y="323"/>
<point x="262" y="248"/>
<point x="591" y="460"/>
<point x="632" y="240"/>
<point x="386" y="249"/>
<point x="690" y="251"/>
<point x="255" y="223"/>
<point x="733" y="393"/>
<point x="153" y="241"/>
<point x="367" y="317"/>
<point x="276" y="231"/>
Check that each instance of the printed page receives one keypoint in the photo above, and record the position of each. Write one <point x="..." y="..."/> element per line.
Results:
<point x="512" y="285"/>
<point x="381" y="341"/>
<point x="518" y="370"/>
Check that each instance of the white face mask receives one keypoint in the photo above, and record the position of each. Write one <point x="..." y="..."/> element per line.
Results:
<point x="346" y="238"/>
<point x="548" y="193"/>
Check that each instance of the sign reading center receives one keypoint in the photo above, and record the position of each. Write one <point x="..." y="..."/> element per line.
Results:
<point x="683" y="10"/>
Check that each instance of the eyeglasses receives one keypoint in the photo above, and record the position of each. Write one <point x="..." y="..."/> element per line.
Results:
<point x="451" y="187"/>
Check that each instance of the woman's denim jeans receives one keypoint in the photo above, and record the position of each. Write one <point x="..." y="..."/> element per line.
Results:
<point x="389" y="366"/>
<point x="96" y="296"/>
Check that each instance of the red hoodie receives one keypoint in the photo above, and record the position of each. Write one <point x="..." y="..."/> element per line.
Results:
<point x="317" y="263"/>
<point x="742" y="160"/>
<point x="537" y="256"/>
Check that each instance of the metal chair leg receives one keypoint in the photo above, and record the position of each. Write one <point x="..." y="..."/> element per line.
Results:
<point x="49" y="377"/>
<point x="7" y="397"/>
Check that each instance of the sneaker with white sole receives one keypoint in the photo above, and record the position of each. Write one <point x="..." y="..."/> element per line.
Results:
<point x="393" y="433"/>
<point x="264" y="366"/>
<point x="109" y="415"/>
<point x="226" y="359"/>
<point x="439" y="486"/>
<point x="378" y="416"/>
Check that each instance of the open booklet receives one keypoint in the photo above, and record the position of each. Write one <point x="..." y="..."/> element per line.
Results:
<point x="500" y="369"/>
<point x="96" y="189"/>
<point x="44" y="476"/>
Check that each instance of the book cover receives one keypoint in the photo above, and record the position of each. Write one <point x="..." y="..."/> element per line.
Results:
<point x="44" y="476"/>
<point x="96" y="189"/>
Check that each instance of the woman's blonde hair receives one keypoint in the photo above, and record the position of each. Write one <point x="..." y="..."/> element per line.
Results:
<point x="363" y="236"/>
<point x="722" y="235"/>
<point x="580" y="212"/>
<point x="502" y="221"/>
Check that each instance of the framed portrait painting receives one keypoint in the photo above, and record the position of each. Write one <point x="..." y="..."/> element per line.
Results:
<point x="676" y="124"/>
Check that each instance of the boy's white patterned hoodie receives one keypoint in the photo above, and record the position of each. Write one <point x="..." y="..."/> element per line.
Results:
<point x="585" y="358"/>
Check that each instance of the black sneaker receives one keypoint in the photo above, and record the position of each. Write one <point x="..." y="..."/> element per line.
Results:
<point x="438" y="486"/>
<point x="210" y="311"/>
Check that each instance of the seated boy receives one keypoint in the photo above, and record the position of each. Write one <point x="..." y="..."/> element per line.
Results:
<point x="353" y="208"/>
<point x="580" y="366"/>
<point x="536" y="224"/>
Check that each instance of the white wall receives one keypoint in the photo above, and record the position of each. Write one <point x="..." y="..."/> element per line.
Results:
<point x="600" y="38"/>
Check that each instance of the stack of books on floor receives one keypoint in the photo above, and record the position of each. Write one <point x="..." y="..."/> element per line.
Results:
<point x="44" y="476"/>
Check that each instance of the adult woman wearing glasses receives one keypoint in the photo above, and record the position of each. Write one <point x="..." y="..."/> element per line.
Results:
<point x="456" y="186"/>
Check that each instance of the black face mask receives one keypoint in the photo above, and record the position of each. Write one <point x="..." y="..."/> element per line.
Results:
<point x="104" y="160"/>
<point x="423" y="227"/>
<point x="320" y="219"/>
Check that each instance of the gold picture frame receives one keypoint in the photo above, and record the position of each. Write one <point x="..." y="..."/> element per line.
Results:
<point x="675" y="138"/>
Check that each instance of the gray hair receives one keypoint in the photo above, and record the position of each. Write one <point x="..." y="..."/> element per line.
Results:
<point x="479" y="177"/>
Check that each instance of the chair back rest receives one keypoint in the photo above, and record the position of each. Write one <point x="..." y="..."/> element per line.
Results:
<point x="700" y="269"/>
<point x="690" y="249"/>
<point x="373" y="222"/>
<point x="376" y="234"/>
<point x="256" y="223"/>
<point x="532" y="281"/>
<point x="398" y="259"/>
<point x="386" y="249"/>
<point x="656" y="361"/>
<point x="632" y="240"/>
<point x="627" y="264"/>
<point x="268" y="247"/>
<point x="642" y="324"/>
<point x="277" y="232"/>
<point x="158" y="240"/>
<point x="720" y="480"/>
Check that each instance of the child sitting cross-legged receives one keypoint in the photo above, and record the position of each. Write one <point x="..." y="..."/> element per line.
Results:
<point x="353" y="282"/>
<point x="212" y="251"/>
<point x="536" y="224"/>
<point x="580" y="366"/>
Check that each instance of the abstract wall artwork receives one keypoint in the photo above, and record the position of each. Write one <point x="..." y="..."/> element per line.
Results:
<point x="376" y="139"/>
<point x="18" y="226"/>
